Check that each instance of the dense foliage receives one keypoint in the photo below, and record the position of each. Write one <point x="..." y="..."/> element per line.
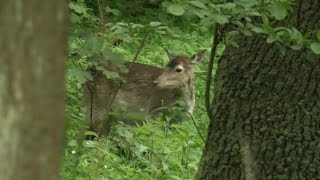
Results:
<point x="154" y="150"/>
<point x="123" y="30"/>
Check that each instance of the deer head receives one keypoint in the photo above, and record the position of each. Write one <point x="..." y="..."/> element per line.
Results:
<point x="178" y="74"/>
<point x="178" y="71"/>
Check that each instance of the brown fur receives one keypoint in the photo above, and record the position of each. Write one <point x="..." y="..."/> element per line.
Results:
<point x="147" y="90"/>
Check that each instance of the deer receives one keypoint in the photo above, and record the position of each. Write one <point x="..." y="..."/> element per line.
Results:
<point x="145" y="92"/>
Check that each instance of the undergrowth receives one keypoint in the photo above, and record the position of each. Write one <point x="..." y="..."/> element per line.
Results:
<point x="155" y="150"/>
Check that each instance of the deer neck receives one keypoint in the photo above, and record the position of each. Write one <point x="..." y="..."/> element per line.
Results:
<point x="188" y="92"/>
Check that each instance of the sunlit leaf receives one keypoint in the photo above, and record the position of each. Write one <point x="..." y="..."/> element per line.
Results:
<point x="278" y="11"/>
<point x="271" y="39"/>
<point x="72" y="143"/>
<point x="198" y="4"/>
<point x="220" y="18"/>
<point x="227" y="6"/>
<point x="74" y="18"/>
<point x="315" y="47"/>
<point x="77" y="8"/>
<point x="91" y="133"/>
<point x="154" y="24"/>
<point x="258" y="30"/>
<point x="176" y="9"/>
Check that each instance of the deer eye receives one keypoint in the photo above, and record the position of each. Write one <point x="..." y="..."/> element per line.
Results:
<point x="178" y="70"/>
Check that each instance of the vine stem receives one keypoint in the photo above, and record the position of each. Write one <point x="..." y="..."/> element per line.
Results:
<point x="215" y="42"/>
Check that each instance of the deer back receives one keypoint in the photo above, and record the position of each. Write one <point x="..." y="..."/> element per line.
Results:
<point x="147" y="89"/>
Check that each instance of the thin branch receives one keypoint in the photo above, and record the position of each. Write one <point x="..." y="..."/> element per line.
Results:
<point x="140" y="47"/>
<point x="216" y="40"/>
<point x="91" y="98"/>
<point x="142" y="44"/>
<point x="100" y="11"/>
<point x="195" y="125"/>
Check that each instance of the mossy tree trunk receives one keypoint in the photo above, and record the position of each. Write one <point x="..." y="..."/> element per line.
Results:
<point x="266" y="118"/>
<point x="33" y="39"/>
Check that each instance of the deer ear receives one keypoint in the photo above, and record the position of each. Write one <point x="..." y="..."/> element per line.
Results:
<point x="198" y="57"/>
<point x="170" y="54"/>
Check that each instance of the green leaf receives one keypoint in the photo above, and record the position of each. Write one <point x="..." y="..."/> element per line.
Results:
<point x="176" y="9"/>
<point x="318" y="35"/>
<point x="258" y="30"/>
<point x="160" y="32"/>
<point x="278" y="11"/>
<point x="220" y="18"/>
<point x="315" y="47"/>
<point x="265" y="19"/>
<point x="81" y="76"/>
<point x="72" y="143"/>
<point x="271" y="39"/>
<point x="113" y="11"/>
<point x="77" y="8"/>
<point x="91" y="133"/>
<point x="110" y="74"/>
<point x="92" y="45"/>
<point x="121" y="30"/>
<point x="198" y="4"/>
<point x="89" y="144"/>
<point x="74" y="18"/>
<point x="246" y="3"/>
<point x="154" y="24"/>
<point x="246" y="32"/>
<point x="227" y="6"/>
<point x="296" y="47"/>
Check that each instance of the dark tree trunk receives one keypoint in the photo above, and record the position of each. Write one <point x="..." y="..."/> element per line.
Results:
<point x="33" y="43"/>
<point x="266" y="118"/>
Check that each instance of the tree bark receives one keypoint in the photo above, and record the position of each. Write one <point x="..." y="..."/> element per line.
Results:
<point x="33" y="50"/>
<point x="266" y="118"/>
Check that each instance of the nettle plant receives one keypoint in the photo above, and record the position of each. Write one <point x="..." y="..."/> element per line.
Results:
<point x="267" y="18"/>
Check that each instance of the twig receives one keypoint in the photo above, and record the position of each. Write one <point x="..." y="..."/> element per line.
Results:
<point x="100" y="11"/>
<point x="133" y="61"/>
<point x="141" y="46"/>
<point x="195" y="125"/>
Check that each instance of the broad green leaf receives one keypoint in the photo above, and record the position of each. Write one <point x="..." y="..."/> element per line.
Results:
<point x="227" y="6"/>
<point x="137" y="26"/>
<point x="79" y="75"/>
<point x="160" y="32"/>
<point x="271" y="39"/>
<point x="295" y="47"/>
<point x="315" y="47"/>
<point x="220" y="18"/>
<point x="258" y="30"/>
<point x="77" y="8"/>
<point x="198" y="4"/>
<point x="264" y="18"/>
<point x="121" y="30"/>
<point x="91" y="133"/>
<point x="278" y="11"/>
<point x="246" y="32"/>
<point x="74" y="18"/>
<point x="110" y="74"/>
<point x="93" y="45"/>
<point x="113" y="11"/>
<point x="154" y="24"/>
<point x="254" y="13"/>
<point x="89" y="144"/>
<point x="246" y="3"/>
<point x="176" y="9"/>
<point x="72" y="143"/>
